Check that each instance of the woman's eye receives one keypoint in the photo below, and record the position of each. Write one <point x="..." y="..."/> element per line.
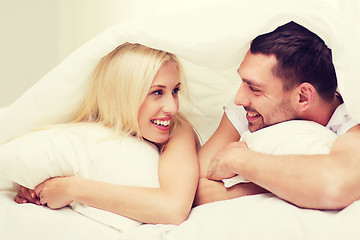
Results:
<point x="157" y="92"/>
<point x="176" y="90"/>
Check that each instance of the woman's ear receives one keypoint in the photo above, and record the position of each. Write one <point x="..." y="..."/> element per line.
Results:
<point x="305" y="96"/>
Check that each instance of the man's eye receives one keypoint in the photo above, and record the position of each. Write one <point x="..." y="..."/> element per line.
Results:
<point x="255" y="89"/>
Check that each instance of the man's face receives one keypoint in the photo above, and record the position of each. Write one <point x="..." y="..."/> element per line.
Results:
<point x="261" y="93"/>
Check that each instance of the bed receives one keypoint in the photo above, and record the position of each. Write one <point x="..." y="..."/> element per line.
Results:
<point x="210" y="46"/>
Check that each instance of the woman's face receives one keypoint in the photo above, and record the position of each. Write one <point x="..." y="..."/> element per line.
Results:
<point x="160" y="105"/>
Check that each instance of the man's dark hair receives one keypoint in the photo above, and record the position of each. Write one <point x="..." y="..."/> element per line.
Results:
<point x="301" y="56"/>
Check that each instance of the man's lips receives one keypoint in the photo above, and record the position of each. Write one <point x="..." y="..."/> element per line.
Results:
<point x="252" y="116"/>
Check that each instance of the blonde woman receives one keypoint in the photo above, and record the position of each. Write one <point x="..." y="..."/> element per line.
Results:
<point x="135" y="91"/>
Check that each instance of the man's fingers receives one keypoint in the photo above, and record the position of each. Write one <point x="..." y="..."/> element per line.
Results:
<point x="211" y="169"/>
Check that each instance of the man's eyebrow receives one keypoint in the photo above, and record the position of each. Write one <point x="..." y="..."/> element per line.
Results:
<point x="252" y="83"/>
<point x="248" y="81"/>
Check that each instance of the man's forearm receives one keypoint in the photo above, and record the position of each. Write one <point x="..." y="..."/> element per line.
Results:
<point x="308" y="181"/>
<point x="212" y="191"/>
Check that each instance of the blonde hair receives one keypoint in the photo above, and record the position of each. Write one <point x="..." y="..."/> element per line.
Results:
<point x="120" y="84"/>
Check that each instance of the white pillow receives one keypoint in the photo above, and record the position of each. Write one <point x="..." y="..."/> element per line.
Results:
<point x="290" y="137"/>
<point x="91" y="151"/>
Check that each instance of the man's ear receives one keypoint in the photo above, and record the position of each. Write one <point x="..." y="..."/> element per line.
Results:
<point x="305" y="96"/>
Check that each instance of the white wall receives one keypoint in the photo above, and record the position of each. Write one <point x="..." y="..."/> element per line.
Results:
<point x="81" y="20"/>
<point x="27" y="44"/>
<point x="37" y="34"/>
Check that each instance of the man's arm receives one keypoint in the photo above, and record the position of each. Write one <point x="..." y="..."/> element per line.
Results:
<point x="328" y="181"/>
<point x="209" y="190"/>
<point x="224" y="134"/>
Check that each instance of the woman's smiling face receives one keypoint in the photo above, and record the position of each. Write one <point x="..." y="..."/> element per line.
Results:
<point x="160" y="104"/>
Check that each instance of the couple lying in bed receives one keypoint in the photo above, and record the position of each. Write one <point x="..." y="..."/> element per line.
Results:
<point x="286" y="75"/>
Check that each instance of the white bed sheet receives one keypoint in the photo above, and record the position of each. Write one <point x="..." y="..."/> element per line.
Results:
<point x="29" y="221"/>
<point x="255" y="217"/>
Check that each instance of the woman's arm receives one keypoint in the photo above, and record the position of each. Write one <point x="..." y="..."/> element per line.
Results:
<point x="169" y="204"/>
<point x="224" y="134"/>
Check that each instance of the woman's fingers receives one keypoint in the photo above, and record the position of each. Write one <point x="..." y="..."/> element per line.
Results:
<point x="19" y="199"/>
<point x="26" y="195"/>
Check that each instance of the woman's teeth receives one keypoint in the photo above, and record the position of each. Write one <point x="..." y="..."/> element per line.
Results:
<point x="161" y="123"/>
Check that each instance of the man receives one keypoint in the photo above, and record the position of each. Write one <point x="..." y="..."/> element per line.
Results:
<point x="286" y="74"/>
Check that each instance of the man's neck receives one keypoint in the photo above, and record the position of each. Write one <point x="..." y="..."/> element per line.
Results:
<point x="322" y="111"/>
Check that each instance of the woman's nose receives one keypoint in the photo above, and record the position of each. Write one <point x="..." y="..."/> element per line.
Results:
<point x="171" y="105"/>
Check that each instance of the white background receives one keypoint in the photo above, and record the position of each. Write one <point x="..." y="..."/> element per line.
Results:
<point x="37" y="34"/>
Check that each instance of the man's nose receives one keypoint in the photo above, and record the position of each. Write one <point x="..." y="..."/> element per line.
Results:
<point x="242" y="98"/>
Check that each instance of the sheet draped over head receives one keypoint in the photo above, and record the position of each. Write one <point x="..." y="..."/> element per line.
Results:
<point x="210" y="43"/>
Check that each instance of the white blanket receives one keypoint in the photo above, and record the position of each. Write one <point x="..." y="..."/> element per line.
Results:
<point x="256" y="217"/>
<point x="210" y="43"/>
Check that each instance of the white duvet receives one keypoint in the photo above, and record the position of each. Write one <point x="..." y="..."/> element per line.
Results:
<point x="210" y="43"/>
<point x="257" y="217"/>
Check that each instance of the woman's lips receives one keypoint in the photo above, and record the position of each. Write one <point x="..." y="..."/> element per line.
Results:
<point x="162" y="124"/>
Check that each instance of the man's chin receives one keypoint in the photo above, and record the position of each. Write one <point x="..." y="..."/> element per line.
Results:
<point x="252" y="128"/>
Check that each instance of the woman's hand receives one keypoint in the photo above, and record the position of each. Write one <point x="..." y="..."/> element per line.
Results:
<point x="26" y="195"/>
<point x="55" y="192"/>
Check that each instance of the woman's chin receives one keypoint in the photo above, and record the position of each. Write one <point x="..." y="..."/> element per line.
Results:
<point x="157" y="140"/>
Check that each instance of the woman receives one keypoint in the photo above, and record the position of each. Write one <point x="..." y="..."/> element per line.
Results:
<point x="135" y="91"/>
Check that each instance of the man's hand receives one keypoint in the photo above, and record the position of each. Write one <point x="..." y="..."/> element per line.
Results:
<point x="220" y="166"/>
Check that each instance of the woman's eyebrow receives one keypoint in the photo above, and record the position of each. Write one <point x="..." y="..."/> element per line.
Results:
<point x="163" y="86"/>
<point x="158" y="86"/>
